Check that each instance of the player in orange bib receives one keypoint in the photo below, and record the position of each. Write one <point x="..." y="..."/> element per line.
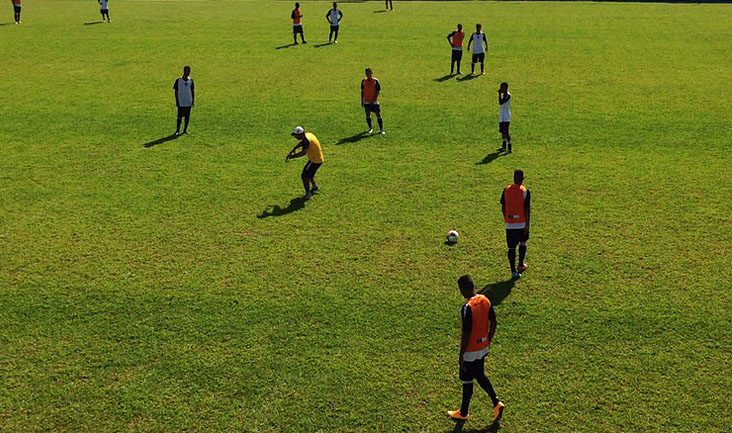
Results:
<point x="477" y="327"/>
<point x="370" y="89"/>
<point x="455" y="38"/>
<point x="296" y="16"/>
<point x="516" y="210"/>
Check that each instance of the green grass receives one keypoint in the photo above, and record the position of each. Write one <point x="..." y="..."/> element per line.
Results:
<point x="145" y="289"/>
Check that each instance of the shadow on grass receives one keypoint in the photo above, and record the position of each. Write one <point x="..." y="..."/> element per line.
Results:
<point x="468" y="77"/>
<point x="491" y="157"/>
<point x="161" y="140"/>
<point x="324" y="44"/>
<point x="498" y="291"/>
<point x="5" y="24"/>
<point x="445" y="78"/>
<point x="493" y="427"/>
<point x="381" y="11"/>
<point x="91" y="23"/>
<point x="354" y="138"/>
<point x="285" y="46"/>
<point x="296" y="204"/>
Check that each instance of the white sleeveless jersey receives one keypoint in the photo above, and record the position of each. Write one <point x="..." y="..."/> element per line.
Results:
<point x="477" y="42"/>
<point x="504" y="110"/>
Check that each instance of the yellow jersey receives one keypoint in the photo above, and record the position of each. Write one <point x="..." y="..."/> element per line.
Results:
<point x="314" y="151"/>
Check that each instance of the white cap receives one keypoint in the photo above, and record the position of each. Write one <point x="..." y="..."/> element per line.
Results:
<point x="297" y="130"/>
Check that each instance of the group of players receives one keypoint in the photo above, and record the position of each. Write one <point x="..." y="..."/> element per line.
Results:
<point x="103" y="9"/>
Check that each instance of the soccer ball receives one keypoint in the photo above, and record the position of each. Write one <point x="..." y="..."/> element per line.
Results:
<point x="452" y="236"/>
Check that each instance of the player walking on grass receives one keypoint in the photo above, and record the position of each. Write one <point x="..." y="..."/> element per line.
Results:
<point x="516" y="210"/>
<point x="455" y="38"/>
<point x="334" y="17"/>
<point x="16" y="11"/>
<point x="477" y="327"/>
<point x="185" y="96"/>
<point x="370" y="89"/>
<point x="104" y="10"/>
<point x="479" y="42"/>
<point x="310" y="147"/>
<point x="504" y="116"/>
<point x="297" y="24"/>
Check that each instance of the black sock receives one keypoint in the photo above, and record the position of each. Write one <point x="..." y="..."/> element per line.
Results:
<point x="177" y="124"/>
<point x="368" y="121"/>
<point x="335" y="37"/>
<point x="381" y="123"/>
<point x="467" y="395"/>
<point x="185" y="127"/>
<point x="522" y="254"/>
<point x="512" y="258"/>
<point x="487" y="387"/>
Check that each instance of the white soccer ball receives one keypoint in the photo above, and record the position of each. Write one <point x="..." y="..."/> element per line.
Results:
<point x="452" y="236"/>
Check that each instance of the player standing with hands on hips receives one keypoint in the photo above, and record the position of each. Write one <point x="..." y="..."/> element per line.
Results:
<point x="297" y="24"/>
<point x="455" y="38"/>
<point x="185" y="96"/>
<point x="334" y="17"/>
<point x="104" y="10"/>
<point x="504" y="116"/>
<point x="477" y="327"/>
<point x="516" y="210"/>
<point x="310" y="147"/>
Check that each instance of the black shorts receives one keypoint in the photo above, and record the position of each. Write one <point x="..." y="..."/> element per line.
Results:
<point x="457" y="55"/>
<point x="515" y="236"/>
<point x="479" y="58"/>
<point x="334" y="28"/>
<point x="184" y="111"/>
<point x="297" y="29"/>
<point x="372" y="108"/>
<point x="104" y="11"/>
<point x="16" y="9"/>
<point x="472" y="370"/>
<point x="310" y="169"/>
<point x="503" y="127"/>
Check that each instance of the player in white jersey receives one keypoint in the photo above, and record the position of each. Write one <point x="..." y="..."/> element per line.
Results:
<point x="504" y="116"/>
<point x="104" y="10"/>
<point x="479" y="41"/>
<point x="184" y="98"/>
<point x="334" y="17"/>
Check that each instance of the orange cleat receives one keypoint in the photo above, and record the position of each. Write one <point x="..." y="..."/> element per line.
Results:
<point x="455" y="414"/>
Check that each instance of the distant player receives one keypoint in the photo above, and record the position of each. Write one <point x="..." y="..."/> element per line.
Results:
<point x="16" y="11"/>
<point x="185" y="96"/>
<point x="389" y="3"/>
<point x="104" y="10"/>
<point x="334" y="17"/>
<point x="516" y="210"/>
<point x="297" y="24"/>
<point x="477" y="327"/>
<point x="370" y="89"/>
<point x="310" y="147"/>
<point x="455" y="38"/>
<point x="504" y="115"/>
<point x="480" y="46"/>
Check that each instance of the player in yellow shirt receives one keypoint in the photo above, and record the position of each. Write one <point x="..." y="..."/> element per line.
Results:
<point x="310" y="147"/>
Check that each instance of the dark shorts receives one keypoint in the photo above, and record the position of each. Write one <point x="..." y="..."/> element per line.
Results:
<point x="184" y="111"/>
<point x="457" y="55"/>
<point x="296" y="29"/>
<point x="310" y="169"/>
<point x="16" y="8"/>
<point x="479" y="58"/>
<point x="503" y="127"/>
<point x="334" y="28"/>
<point x="372" y="108"/>
<point x="515" y="236"/>
<point x="104" y="11"/>
<point x="472" y="370"/>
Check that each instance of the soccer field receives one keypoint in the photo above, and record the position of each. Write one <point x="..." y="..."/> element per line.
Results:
<point x="182" y="287"/>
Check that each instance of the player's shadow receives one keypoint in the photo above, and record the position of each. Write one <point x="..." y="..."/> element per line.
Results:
<point x="468" y="77"/>
<point x="285" y="46"/>
<point x="161" y="140"/>
<point x="296" y="204"/>
<point x="381" y="11"/>
<point x="354" y="138"/>
<point x="493" y="427"/>
<point x="491" y="157"/>
<point x="324" y="44"/>
<point x="445" y="78"/>
<point x="5" y="24"/>
<point x="498" y="291"/>
<point x="91" y="23"/>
